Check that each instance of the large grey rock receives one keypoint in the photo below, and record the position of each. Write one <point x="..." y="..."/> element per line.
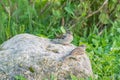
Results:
<point x="38" y="58"/>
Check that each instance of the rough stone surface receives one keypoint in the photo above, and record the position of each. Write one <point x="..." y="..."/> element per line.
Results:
<point x="38" y="58"/>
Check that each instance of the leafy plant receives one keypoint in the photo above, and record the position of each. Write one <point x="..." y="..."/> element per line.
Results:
<point x="20" y="77"/>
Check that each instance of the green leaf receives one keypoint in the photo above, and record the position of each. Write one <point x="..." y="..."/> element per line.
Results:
<point x="52" y="77"/>
<point x="73" y="77"/>
<point x="103" y="17"/>
<point x="62" y="29"/>
<point x="117" y="13"/>
<point x="56" y="13"/>
<point x="118" y="30"/>
<point x="69" y="9"/>
<point x="20" y="77"/>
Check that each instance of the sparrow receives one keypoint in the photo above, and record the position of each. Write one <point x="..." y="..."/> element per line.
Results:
<point x="79" y="50"/>
<point x="76" y="53"/>
<point x="67" y="38"/>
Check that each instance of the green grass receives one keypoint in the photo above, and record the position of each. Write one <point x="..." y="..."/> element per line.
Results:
<point x="103" y="49"/>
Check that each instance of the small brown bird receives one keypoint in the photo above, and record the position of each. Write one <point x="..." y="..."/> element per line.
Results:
<point x="65" y="39"/>
<point x="79" y="50"/>
<point x="76" y="53"/>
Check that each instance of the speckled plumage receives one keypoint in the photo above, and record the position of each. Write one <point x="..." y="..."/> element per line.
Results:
<point x="65" y="39"/>
<point x="79" y="50"/>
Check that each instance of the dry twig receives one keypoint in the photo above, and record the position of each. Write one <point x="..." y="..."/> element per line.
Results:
<point x="105" y="2"/>
<point x="95" y="12"/>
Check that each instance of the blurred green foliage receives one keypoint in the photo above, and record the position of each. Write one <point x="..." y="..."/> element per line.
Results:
<point x="47" y="16"/>
<point x="95" y="23"/>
